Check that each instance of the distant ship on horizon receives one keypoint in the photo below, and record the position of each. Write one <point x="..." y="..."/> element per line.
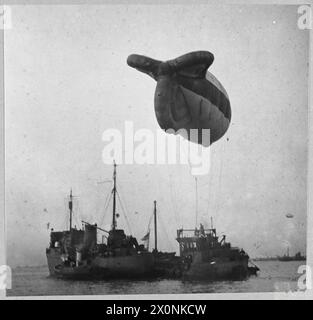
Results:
<point x="297" y="257"/>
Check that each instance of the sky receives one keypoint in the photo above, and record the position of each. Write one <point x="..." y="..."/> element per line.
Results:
<point x="67" y="81"/>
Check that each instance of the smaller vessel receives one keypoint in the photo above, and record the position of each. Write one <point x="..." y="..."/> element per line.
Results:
<point x="297" y="257"/>
<point x="72" y="271"/>
<point x="207" y="257"/>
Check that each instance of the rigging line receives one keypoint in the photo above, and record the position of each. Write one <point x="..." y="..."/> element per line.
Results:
<point x="75" y="213"/>
<point x="150" y="220"/>
<point x="218" y="203"/>
<point x="106" y="203"/>
<point x="210" y="188"/>
<point x="64" y="220"/>
<point x="176" y="197"/>
<point x="172" y="193"/>
<point x="106" y="208"/>
<point x="124" y="212"/>
<point x="197" y="204"/>
<point x="187" y="156"/>
<point x="148" y="229"/>
<point x="175" y="191"/>
<point x="165" y="231"/>
<point x="119" y="187"/>
<point x="66" y="216"/>
<point x="106" y="199"/>
<point x="190" y="170"/>
<point x="173" y="200"/>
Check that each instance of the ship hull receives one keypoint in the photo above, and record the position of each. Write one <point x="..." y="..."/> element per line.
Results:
<point x="291" y="259"/>
<point x="218" y="270"/>
<point x="74" y="273"/>
<point x="134" y="266"/>
<point x="53" y="260"/>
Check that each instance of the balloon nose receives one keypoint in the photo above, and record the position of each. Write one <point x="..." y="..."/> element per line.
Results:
<point x="143" y="63"/>
<point x="134" y="60"/>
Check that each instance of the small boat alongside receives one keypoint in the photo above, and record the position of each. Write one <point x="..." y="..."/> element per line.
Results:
<point x="68" y="271"/>
<point x="210" y="257"/>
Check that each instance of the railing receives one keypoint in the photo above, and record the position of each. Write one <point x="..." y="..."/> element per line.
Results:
<point x="181" y="233"/>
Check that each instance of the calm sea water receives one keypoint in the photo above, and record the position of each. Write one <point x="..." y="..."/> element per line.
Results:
<point x="274" y="276"/>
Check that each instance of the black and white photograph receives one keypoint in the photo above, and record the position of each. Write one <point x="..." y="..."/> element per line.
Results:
<point x="155" y="148"/>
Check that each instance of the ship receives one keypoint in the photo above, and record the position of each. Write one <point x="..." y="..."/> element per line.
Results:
<point x="297" y="257"/>
<point x="202" y="255"/>
<point x="76" y="254"/>
<point x="207" y="257"/>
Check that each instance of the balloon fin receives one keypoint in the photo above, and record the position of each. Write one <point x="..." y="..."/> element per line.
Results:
<point x="196" y="71"/>
<point x="193" y="64"/>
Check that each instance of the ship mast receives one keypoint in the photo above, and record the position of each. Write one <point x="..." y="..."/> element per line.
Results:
<point x="70" y="206"/>
<point x="114" y="198"/>
<point x="155" y="228"/>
